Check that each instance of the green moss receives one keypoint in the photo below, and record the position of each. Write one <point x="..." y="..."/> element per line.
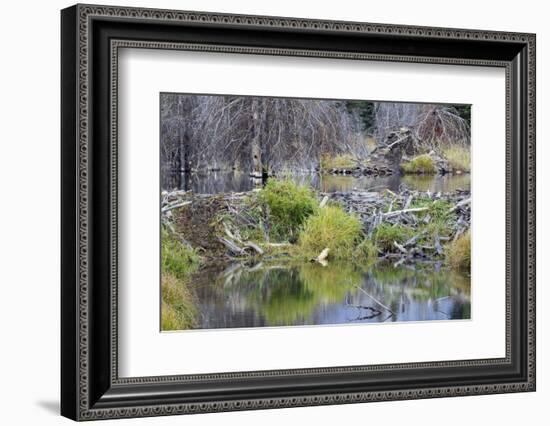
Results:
<point x="385" y="234"/>
<point x="458" y="253"/>
<point x="331" y="228"/>
<point x="289" y="205"/>
<point x="422" y="164"/>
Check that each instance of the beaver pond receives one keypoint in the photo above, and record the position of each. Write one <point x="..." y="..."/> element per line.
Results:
<point x="340" y="293"/>
<point x="232" y="181"/>
<point x="280" y="211"/>
<point x="408" y="283"/>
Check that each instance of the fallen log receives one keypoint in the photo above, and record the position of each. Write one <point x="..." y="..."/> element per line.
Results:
<point x="278" y="244"/>
<point x="234" y="248"/>
<point x="254" y="246"/>
<point x="414" y="239"/>
<point x="174" y="206"/>
<point x="398" y="212"/>
<point x="322" y="258"/>
<point x="400" y="247"/>
<point x="460" y="204"/>
<point x="245" y="244"/>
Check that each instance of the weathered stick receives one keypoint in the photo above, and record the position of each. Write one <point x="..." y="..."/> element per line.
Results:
<point x="322" y="258"/>
<point x="397" y="142"/>
<point x="174" y="206"/>
<point x="376" y="300"/>
<point x="408" y="202"/>
<point x="232" y="246"/>
<point x="413" y="240"/>
<point x="398" y="212"/>
<point x="400" y="247"/>
<point x="250" y="244"/>
<point x="256" y="247"/>
<point x="460" y="204"/>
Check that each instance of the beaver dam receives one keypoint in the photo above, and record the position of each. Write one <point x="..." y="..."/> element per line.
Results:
<point x="286" y="254"/>
<point x="281" y="212"/>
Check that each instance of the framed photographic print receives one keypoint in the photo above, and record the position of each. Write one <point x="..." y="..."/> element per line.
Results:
<point x="263" y="212"/>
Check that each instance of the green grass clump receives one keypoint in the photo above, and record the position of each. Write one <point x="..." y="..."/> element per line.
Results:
<point x="178" y="262"/>
<point x="385" y="234"/>
<point x="458" y="157"/>
<point x="365" y="250"/>
<point x="441" y="219"/>
<point x="437" y="209"/>
<point x="343" y="161"/>
<point x="422" y="164"/>
<point x="177" y="258"/>
<point x="458" y="254"/>
<point x="331" y="228"/>
<point x="178" y="310"/>
<point x="289" y="206"/>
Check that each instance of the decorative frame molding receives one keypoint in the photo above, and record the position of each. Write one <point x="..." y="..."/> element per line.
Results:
<point x="91" y="388"/>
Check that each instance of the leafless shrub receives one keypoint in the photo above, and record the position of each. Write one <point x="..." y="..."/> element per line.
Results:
<point x="435" y="126"/>
<point x="441" y="126"/>
<point x="220" y="132"/>
<point x="263" y="134"/>
<point x="389" y="117"/>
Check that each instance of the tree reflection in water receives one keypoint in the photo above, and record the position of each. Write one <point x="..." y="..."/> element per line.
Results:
<point x="233" y="181"/>
<point x="309" y="294"/>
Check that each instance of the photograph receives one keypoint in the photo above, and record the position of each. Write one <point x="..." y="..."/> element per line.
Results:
<point x="266" y="209"/>
<point x="300" y="212"/>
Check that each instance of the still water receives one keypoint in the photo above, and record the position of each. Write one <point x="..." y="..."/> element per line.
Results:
<point x="310" y="294"/>
<point x="217" y="182"/>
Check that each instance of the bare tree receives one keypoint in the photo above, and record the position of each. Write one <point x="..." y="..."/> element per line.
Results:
<point x="254" y="134"/>
<point x="175" y="133"/>
<point x="433" y="125"/>
<point x="263" y="135"/>
<point x="439" y="125"/>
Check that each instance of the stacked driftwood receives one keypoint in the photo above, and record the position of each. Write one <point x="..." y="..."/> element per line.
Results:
<point x="375" y="208"/>
<point x="399" y="147"/>
<point x="238" y="211"/>
<point x="233" y="212"/>
<point x="362" y="170"/>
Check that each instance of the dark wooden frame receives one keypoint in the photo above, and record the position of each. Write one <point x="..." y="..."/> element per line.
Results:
<point x="90" y="38"/>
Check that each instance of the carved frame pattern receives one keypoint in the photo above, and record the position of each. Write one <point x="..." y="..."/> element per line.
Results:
<point x="85" y="13"/>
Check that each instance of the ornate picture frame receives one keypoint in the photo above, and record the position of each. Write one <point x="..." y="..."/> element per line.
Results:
<point x="91" y="37"/>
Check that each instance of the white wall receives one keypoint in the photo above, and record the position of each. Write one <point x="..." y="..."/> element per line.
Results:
<point x="29" y="211"/>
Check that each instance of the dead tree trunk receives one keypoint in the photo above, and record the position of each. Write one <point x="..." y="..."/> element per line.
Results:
<point x="256" y="148"/>
<point x="395" y="151"/>
<point x="183" y="137"/>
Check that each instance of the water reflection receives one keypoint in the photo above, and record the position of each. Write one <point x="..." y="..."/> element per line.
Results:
<point x="446" y="183"/>
<point x="224" y="181"/>
<point x="309" y="294"/>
